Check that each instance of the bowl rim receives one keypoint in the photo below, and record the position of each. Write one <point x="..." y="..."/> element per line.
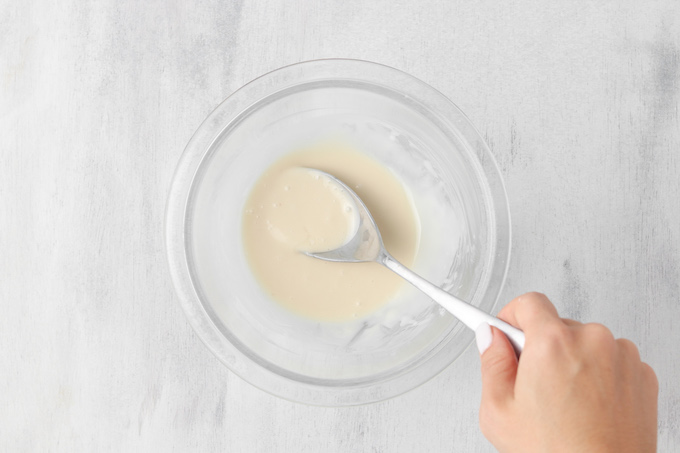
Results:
<point x="178" y="205"/>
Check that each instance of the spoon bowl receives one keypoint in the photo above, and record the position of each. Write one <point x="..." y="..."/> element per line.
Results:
<point x="366" y="245"/>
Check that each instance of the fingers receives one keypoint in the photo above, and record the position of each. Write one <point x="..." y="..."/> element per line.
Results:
<point x="630" y="354"/>
<point x="628" y="349"/>
<point x="599" y="335"/>
<point x="499" y="365"/>
<point x="529" y="312"/>
<point x="650" y="384"/>
<point x="650" y="380"/>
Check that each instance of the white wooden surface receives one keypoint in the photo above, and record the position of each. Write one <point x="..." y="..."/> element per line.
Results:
<point x="578" y="100"/>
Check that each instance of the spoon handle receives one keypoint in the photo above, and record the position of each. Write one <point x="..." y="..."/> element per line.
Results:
<point x="467" y="314"/>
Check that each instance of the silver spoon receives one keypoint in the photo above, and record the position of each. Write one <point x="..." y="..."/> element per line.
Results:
<point x="367" y="245"/>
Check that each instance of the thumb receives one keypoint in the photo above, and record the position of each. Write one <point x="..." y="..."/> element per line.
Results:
<point x="499" y="364"/>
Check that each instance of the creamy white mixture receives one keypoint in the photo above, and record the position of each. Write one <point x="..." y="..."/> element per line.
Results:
<point x="292" y="209"/>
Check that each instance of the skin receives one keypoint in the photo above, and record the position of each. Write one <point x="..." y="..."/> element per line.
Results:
<point x="575" y="389"/>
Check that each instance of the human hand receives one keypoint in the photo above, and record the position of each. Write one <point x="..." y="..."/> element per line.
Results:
<point x="574" y="389"/>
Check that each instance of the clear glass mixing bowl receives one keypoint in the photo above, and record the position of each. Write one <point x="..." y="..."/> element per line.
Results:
<point x="421" y="137"/>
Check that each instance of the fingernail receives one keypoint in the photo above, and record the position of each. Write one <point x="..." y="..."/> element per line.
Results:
<point x="483" y="337"/>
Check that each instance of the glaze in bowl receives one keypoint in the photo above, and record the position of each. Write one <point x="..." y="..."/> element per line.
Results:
<point x="410" y="128"/>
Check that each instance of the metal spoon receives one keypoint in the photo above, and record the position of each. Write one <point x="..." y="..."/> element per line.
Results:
<point x="367" y="245"/>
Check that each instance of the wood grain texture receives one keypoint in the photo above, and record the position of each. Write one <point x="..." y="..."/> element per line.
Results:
<point x="578" y="100"/>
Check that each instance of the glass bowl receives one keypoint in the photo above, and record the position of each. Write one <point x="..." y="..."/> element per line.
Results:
<point x="412" y="129"/>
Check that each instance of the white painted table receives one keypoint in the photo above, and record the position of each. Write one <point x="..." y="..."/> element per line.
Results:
<point x="578" y="101"/>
